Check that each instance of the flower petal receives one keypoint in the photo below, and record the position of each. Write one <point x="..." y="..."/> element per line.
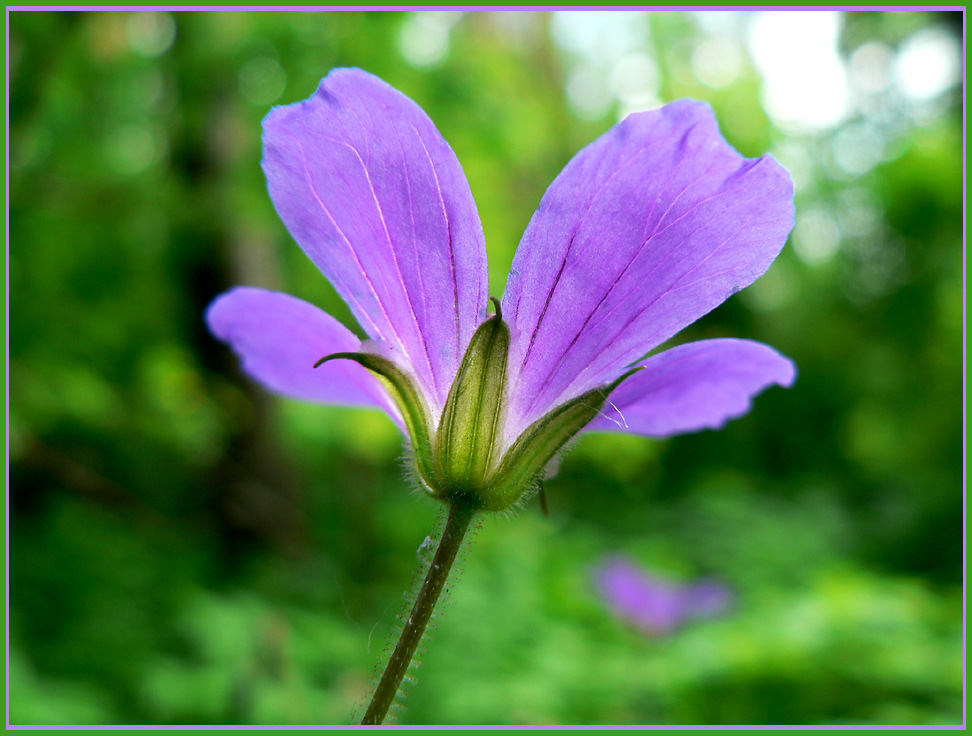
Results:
<point x="648" y="228"/>
<point x="279" y="338"/>
<point x="653" y="604"/>
<point x="377" y="199"/>
<point x="700" y="385"/>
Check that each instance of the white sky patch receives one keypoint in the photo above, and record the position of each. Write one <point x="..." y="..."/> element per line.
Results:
<point x="928" y="64"/>
<point x="636" y="81"/>
<point x="424" y="36"/>
<point x="588" y="92"/>
<point x="816" y="236"/>
<point x="716" y="21"/>
<point x="870" y="67"/>
<point x="717" y="61"/>
<point x="613" y="61"/>
<point x="858" y="148"/>
<point x="797" y="159"/>
<point x="805" y="85"/>
<point x="858" y="212"/>
<point x="600" y="35"/>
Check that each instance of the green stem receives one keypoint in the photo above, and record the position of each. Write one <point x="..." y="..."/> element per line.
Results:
<point x="460" y="515"/>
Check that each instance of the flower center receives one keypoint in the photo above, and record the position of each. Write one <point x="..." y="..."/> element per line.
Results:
<point x="463" y="459"/>
<point x="469" y="462"/>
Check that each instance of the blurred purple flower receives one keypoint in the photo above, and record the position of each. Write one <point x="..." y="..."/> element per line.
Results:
<point x="647" y="229"/>
<point x="654" y="605"/>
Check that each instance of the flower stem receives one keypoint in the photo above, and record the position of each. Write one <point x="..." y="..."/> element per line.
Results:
<point x="460" y="515"/>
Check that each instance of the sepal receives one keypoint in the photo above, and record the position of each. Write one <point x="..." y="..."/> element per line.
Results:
<point x="523" y="462"/>
<point x="470" y="432"/>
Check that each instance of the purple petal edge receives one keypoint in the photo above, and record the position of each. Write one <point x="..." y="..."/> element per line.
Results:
<point x="279" y="337"/>
<point x="696" y="386"/>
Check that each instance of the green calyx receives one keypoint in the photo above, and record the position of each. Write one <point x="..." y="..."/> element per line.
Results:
<point x="471" y="428"/>
<point x="462" y="460"/>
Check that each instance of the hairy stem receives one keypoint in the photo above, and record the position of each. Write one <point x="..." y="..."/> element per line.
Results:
<point x="460" y="515"/>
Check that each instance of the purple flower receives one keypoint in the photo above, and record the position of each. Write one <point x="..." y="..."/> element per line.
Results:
<point x="653" y="605"/>
<point x="648" y="228"/>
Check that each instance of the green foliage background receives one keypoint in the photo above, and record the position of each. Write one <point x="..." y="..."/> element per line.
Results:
<point x="185" y="548"/>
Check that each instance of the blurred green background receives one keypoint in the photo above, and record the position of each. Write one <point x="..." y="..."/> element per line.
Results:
<point x="185" y="548"/>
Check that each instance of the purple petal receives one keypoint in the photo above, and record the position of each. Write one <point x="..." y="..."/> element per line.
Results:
<point x="654" y="605"/>
<point x="700" y="385"/>
<point x="648" y="228"/>
<point x="374" y="195"/>
<point x="649" y="603"/>
<point x="707" y="598"/>
<point x="279" y="338"/>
